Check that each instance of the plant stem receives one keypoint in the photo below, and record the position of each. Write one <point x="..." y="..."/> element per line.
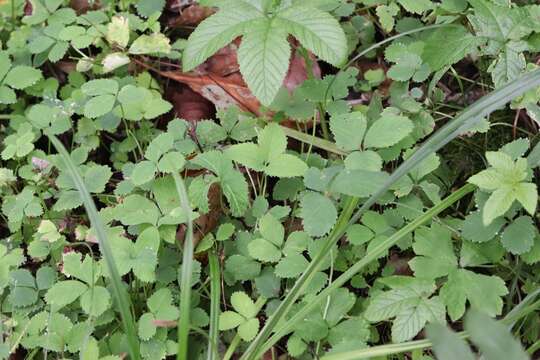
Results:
<point x="187" y="269"/>
<point x="215" y="294"/>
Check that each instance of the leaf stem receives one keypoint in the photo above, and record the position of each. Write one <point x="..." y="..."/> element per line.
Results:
<point x="215" y="294"/>
<point x="187" y="269"/>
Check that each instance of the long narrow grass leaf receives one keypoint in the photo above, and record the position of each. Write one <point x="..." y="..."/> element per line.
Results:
<point x="215" y="296"/>
<point x="119" y="292"/>
<point x="465" y="121"/>
<point x="187" y="269"/>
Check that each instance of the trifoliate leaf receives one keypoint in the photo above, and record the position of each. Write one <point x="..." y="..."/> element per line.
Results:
<point x="147" y="328"/>
<point x="99" y="106"/>
<point x="143" y="172"/>
<point x="230" y="320"/>
<point x="95" y="301"/>
<point x="286" y="166"/>
<point x="264" y="250"/>
<point x="243" y="304"/>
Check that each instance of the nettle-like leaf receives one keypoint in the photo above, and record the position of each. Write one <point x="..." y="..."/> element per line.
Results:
<point x="268" y="155"/>
<point x="243" y="318"/>
<point x="265" y="53"/>
<point x="435" y="258"/>
<point x="410" y="304"/>
<point x="506" y="180"/>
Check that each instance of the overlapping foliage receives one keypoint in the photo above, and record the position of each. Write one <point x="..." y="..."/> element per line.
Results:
<point x="362" y="232"/>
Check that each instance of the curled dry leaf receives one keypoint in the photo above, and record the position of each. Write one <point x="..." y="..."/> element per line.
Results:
<point x="190" y="15"/>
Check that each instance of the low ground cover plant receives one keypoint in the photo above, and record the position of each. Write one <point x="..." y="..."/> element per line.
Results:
<point x="269" y="179"/>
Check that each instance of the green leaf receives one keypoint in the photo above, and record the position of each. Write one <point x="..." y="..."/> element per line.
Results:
<point x="100" y="87"/>
<point x="348" y="130"/>
<point x="388" y="131"/>
<point x="64" y="293"/>
<point x="243" y="304"/>
<point x="264" y="59"/>
<point x="359" y="183"/>
<point x="21" y="77"/>
<point x="249" y="329"/>
<point x="497" y="204"/>
<point x="272" y="230"/>
<point x="229" y="320"/>
<point x="147" y="328"/>
<point x="217" y="31"/>
<point x="408" y="323"/>
<point x="318" y="214"/>
<point x="118" y="31"/>
<point x="436" y="252"/>
<point x="235" y="189"/>
<point x="143" y="172"/>
<point x="99" y="106"/>
<point x="95" y="301"/>
<point x="518" y="237"/>
<point x="136" y="209"/>
<point x="317" y="31"/>
<point x="527" y="195"/>
<point x="473" y="228"/>
<point x="272" y="142"/>
<point x="264" y="250"/>
<point x="286" y="166"/>
<point x="147" y="8"/>
<point x="483" y="292"/>
<point x="247" y="154"/>
<point x="447" y="345"/>
<point x="291" y="266"/>
<point x="458" y="43"/>
<point x="493" y="338"/>
<point x="416" y="6"/>
<point x="150" y="44"/>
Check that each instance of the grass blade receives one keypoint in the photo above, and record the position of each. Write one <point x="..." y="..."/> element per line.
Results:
<point x="313" y="140"/>
<point x="120" y="294"/>
<point x="215" y="295"/>
<point x="466" y="120"/>
<point x="187" y="269"/>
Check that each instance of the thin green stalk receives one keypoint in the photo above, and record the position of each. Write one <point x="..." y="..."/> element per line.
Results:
<point x="215" y="294"/>
<point x="187" y="269"/>
<point x="371" y="256"/>
<point x="124" y="303"/>
<point x="313" y="140"/>
<point x="467" y="119"/>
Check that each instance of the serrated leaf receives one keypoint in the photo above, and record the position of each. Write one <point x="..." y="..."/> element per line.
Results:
<point x="388" y="131"/>
<point x="317" y="31"/>
<point x="243" y="304"/>
<point x="249" y="329"/>
<point x="416" y="6"/>
<point x="230" y="320"/>
<point x="291" y="266"/>
<point x="264" y="250"/>
<point x="518" y="237"/>
<point x="143" y="172"/>
<point x="483" y="292"/>
<point x="118" y="31"/>
<point x="497" y="204"/>
<point x="217" y="31"/>
<point x="95" y="301"/>
<point x="147" y="328"/>
<point x="147" y="8"/>
<point x="64" y="293"/>
<point x="286" y="166"/>
<point x="264" y="59"/>
<point x="99" y="106"/>
<point x="349" y="130"/>
<point x="409" y="323"/>
<point x="151" y="44"/>
<point x="318" y="214"/>
<point x="21" y="77"/>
